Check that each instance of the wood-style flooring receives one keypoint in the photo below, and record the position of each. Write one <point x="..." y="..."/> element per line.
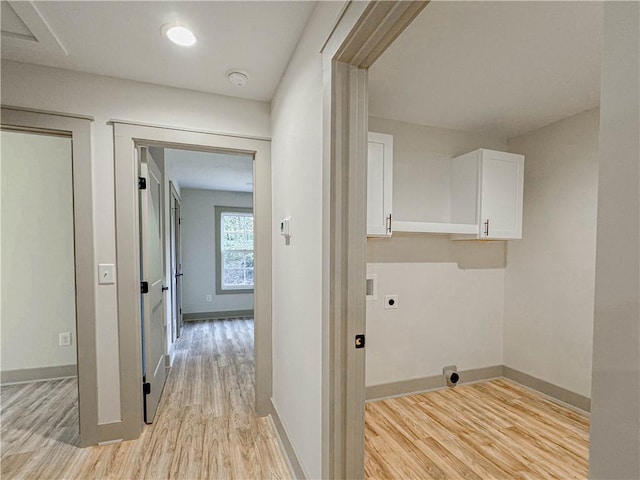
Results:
<point x="206" y="426"/>
<point x="490" y="430"/>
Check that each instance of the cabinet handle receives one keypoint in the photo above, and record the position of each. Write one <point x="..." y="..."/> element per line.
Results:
<point x="486" y="228"/>
<point x="389" y="223"/>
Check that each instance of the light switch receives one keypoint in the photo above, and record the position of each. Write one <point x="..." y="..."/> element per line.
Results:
<point x="106" y="274"/>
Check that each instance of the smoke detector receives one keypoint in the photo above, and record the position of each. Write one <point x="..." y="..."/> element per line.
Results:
<point x="238" y="78"/>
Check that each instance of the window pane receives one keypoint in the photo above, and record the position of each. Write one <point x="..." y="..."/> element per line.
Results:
<point x="233" y="241"/>
<point x="234" y="277"/>
<point x="248" y="241"/>
<point x="233" y="260"/>
<point x="231" y="223"/>
<point x="249" y="260"/>
<point x="237" y="260"/>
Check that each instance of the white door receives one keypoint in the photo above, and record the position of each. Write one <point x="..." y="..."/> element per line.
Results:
<point x="153" y="314"/>
<point x="501" y="203"/>
<point x="176" y="267"/>
<point x="379" y="184"/>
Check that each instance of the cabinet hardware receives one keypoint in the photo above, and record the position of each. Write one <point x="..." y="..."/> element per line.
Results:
<point x="388" y="223"/>
<point x="486" y="228"/>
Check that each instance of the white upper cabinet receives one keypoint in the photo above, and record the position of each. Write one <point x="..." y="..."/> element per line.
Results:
<point x="379" y="184"/>
<point x="486" y="190"/>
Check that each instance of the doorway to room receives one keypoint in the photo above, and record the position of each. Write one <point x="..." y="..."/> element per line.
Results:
<point x="48" y="300"/>
<point x="243" y="257"/>
<point x="197" y="266"/>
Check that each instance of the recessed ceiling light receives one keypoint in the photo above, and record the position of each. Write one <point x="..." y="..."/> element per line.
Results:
<point x="238" y="78"/>
<point x="179" y="34"/>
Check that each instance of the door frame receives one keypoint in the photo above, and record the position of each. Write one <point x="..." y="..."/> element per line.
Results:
<point x="362" y="34"/>
<point x="79" y="129"/>
<point x="127" y="136"/>
<point x="175" y="265"/>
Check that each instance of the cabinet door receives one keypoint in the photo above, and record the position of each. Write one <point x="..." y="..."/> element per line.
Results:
<point x="379" y="184"/>
<point x="502" y="176"/>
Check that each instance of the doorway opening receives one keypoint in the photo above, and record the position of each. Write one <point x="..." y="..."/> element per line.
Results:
<point x="47" y="273"/>
<point x="490" y="311"/>
<point x="162" y="143"/>
<point x="39" y="358"/>
<point x="197" y="268"/>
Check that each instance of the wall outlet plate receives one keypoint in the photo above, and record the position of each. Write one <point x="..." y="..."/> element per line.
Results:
<point x="64" y="339"/>
<point x="390" y="302"/>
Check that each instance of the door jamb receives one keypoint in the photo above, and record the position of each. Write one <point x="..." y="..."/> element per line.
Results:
<point x="126" y="137"/>
<point x="362" y="34"/>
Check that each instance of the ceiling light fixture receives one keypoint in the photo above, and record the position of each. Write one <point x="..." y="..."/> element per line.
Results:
<point x="238" y="78"/>
<point x="179" y="34"/>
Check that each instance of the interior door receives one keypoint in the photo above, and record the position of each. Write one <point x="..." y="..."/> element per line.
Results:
<point x="153" y="312"/>
<point x="176" y="265"/>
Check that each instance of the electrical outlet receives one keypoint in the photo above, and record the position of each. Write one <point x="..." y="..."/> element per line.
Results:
<point x="208" y="298"/>
<point x="390" y="301"/>
<point x="64" y="339"/>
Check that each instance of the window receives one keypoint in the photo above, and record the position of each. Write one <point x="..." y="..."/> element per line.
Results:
<point x="234" y="245"/>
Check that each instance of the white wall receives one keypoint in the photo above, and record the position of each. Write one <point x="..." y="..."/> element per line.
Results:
<point x="615" y="412"/>
<point x="445" y="316"/>
<point x="296" y="119"/>
<point x="38" y="269"/>
<point x="199" y="251"/>
<point x="550" y="275"/>
<point x="431" y="327"/>
<point x="107" y="98"/>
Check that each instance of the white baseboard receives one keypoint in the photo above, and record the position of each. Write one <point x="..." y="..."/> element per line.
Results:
<point x="437" y="382"/>
<point x="294" y="464"/>
<point x="25" y="375"/>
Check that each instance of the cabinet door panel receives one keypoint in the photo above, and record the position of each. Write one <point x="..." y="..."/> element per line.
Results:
<point x="379" y="184"/>
<point x="501" y="204"/>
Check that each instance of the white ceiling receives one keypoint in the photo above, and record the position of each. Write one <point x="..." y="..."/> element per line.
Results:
<point x="123" y="39"/>
<point x="502" y="68"/>
<point x="210" y="171"/>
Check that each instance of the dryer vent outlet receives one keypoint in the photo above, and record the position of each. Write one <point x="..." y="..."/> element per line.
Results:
<point x="451" y="375"/>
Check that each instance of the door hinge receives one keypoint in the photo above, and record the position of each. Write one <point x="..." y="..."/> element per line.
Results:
<point x="144" y="287"/>
<point x="146" y="388"/>
<point x="360" y="341"/>
<point x="142" y="183"/>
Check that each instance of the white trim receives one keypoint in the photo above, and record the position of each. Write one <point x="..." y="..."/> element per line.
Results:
<point x="186" y="129"/>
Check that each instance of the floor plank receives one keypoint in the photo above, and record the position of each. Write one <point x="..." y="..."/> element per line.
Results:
<point x="491" y="430"/>
<point x="206" y="426"/>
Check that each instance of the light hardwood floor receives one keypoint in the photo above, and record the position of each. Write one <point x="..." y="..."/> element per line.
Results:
<point x="490" y="430"/>
<point x="205" y="427"/>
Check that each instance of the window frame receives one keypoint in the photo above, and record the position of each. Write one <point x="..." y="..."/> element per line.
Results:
<point x="219" y="211"/>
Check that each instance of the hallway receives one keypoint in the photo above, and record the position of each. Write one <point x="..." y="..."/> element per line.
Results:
<point x="205" y="428"/>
